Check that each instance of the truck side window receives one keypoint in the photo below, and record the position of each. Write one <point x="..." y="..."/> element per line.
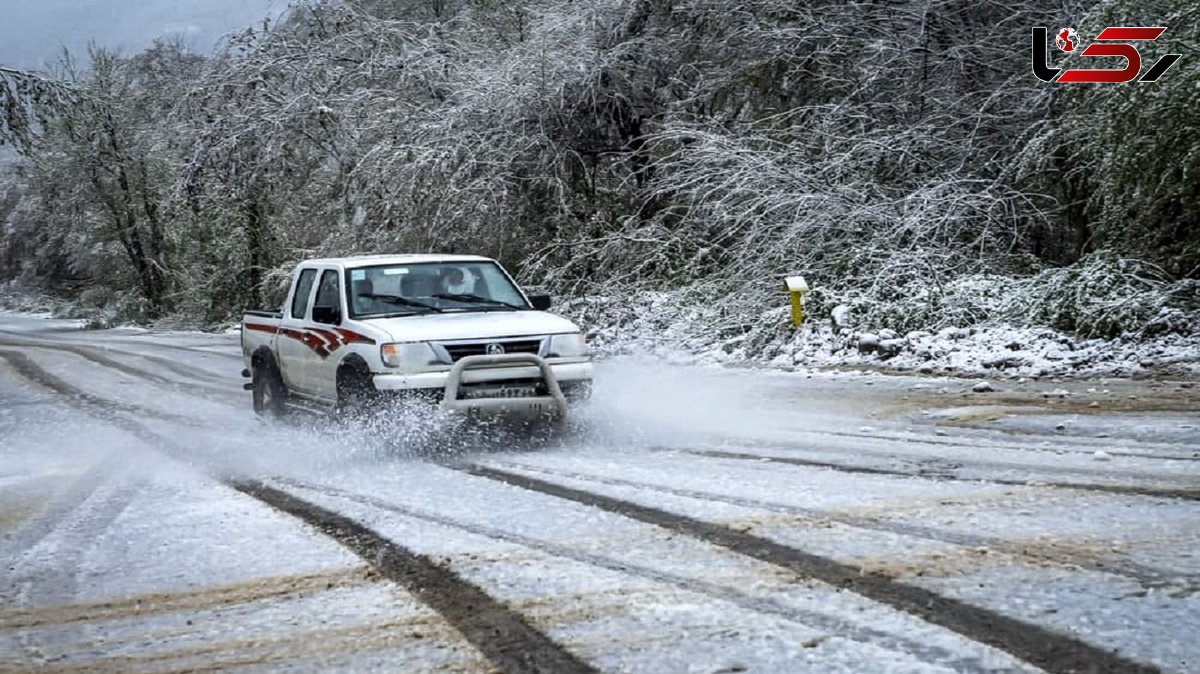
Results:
<point x="304" y="286"/>
<point x="328" y="297"/>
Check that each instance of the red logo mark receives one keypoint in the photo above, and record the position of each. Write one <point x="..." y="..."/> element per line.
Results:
<point x="1112" y="42"/>
<point x="1065" y="40"/>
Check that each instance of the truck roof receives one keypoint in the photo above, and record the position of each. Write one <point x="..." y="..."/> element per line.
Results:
<point x="372" y="260"/>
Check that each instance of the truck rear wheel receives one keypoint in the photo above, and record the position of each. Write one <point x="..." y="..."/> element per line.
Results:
<point x="268" y="392"/>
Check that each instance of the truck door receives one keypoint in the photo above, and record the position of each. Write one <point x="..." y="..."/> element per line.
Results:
<point x="327" y="314"/>
<point x="291" y="351"/>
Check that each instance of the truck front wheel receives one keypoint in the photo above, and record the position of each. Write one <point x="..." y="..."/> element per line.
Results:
<point x="356" y="393"/>
<point x="268" y="392"/>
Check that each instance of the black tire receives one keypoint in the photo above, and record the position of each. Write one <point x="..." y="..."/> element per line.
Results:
<point x="268" y="392"/>
<point x="356" y="393"/>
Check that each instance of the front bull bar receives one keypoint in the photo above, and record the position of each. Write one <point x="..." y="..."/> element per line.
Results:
<point x="555" y="403"/>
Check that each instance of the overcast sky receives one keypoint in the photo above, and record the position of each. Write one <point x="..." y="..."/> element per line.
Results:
<point x="33" y="31"/>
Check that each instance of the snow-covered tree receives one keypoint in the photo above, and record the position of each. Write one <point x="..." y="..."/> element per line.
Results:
<point x="898" y="153"/>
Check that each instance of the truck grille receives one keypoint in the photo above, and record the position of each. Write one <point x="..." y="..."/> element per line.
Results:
<point x="461" y="350"/>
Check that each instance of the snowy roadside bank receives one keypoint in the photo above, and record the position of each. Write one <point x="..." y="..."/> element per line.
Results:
<point x="1166" y="348"/>
<point x="999" y="351"/>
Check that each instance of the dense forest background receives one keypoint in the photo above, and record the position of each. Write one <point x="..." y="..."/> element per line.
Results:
<point x="899" y="154"/>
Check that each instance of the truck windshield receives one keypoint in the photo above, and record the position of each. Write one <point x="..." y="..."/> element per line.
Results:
<point x="428" y="287"/>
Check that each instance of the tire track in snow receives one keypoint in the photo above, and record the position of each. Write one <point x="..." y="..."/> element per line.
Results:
<point x="100" y="359"/>
<point x="1052" y="651"/>
<point x="837" y="626"/>
<point x="502" y="635"/>
<point x="203" y="350"/>
<point x="1080" y="449"/>
<point x="1143" y="574"/>
<point x="131" y="340"/>
<point x="59" y="583"/>
<point x="41" y="524"/>
<point x="814" y="447"/>
<point x="1127" y="490"/>
<point x="182" y="600"/>
<point x="96" y="355"/>
<point x="145" y="375"/>
<point x="80" y="529"/>
<point x="101" y="408"/>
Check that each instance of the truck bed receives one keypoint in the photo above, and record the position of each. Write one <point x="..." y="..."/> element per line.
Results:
<point x="259" y="327"/>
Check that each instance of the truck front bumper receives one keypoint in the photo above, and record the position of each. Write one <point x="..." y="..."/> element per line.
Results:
<point x="564" y="372"/>
<point x="496" y="369"/>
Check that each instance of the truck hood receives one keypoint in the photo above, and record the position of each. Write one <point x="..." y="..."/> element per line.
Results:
<point x="472" y="325"/>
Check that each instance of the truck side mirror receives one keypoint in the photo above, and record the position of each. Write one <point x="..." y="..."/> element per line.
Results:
<point x="327" y="315"/>
<point x="540" y="302"/>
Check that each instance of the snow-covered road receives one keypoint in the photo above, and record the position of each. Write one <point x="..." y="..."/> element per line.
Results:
<point x="689" y="521"/>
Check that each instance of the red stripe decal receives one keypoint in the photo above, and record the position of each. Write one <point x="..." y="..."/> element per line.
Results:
<point x="331" y="339"/>
<point x="352" y="337"/>
<point x="322" y="342"/>
<point x="262" y="328"/>
<point x="315" y="343"/>
<point x="304" y="339"/>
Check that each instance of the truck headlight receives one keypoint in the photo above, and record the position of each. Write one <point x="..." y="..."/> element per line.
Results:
<point x="570" y="345"/>
<point x="409" y="356"/>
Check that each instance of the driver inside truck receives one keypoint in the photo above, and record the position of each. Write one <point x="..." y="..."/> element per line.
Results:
<point x="457" y="281"/>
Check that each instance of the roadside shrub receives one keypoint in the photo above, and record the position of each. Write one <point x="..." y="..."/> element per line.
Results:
<point x="97" y="297"/>
<point x="1101" y="296"/>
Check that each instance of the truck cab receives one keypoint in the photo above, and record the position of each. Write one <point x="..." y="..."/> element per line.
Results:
<point x="456" y="330"/>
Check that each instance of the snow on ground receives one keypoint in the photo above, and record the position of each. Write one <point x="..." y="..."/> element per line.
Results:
<point x="134" y="562"/>
<point x="998" y="352"/>
<point x="628" y="622"/>
<point x="127" y="552"/>
<point x="1116" y="609"/>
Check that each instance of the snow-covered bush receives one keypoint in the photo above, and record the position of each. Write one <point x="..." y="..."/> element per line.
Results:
<point x="1101" y="296"/>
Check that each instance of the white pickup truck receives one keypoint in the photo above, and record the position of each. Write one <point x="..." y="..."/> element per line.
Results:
<point x="453" y="329"/>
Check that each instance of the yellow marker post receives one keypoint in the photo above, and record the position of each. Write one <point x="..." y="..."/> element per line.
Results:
<point x="796" y="286"/>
